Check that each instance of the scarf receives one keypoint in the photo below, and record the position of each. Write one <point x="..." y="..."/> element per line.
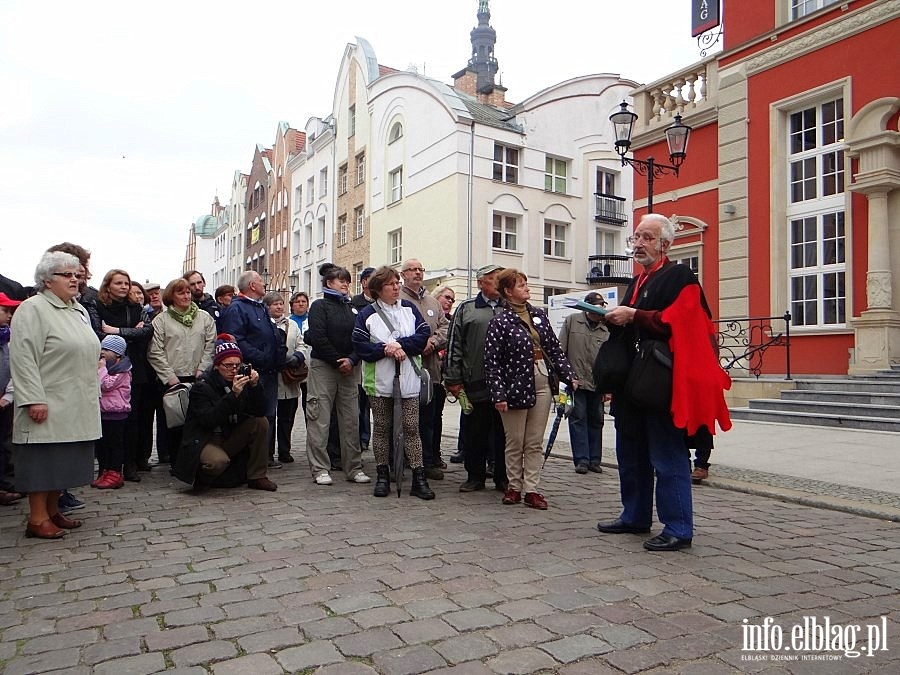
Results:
<point x="281" y="323"/>
<point x="336" y="294"/>
<point x="4" y="335"/>
<point x="187" y="316"/>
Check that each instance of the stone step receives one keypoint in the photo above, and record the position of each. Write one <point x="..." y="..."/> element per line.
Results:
<point x="840" y="409"/>
<point x="817" y="419"/>
<point x="884" y="385"/>
<point x="847" y="397"/>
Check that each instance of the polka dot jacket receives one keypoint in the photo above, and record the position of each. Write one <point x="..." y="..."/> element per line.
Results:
<point x="509" y="357"/>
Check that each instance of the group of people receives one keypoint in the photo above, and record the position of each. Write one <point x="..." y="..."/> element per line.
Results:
<point x="89" y="370"/>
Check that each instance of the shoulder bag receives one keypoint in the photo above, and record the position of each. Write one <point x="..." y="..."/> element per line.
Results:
<point x="426" y="392"/>
<point x="175" y="403"/>
<point x="649" y="382"/>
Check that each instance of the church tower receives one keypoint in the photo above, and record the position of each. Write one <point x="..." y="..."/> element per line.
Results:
<point x="477" y="78"/>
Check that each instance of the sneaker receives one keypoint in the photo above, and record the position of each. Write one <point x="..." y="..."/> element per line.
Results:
<point x="69" y="502"/>
<point x="360" y="477"/>
<point x="699" y="474"/>
<point x="97" y="480"/>
<point x="273" y="464"/>
<point x="323" y="478"/>
<point x="595" y="467"/>
<point x="581" y="467"/>
<point x="535" y="501"/>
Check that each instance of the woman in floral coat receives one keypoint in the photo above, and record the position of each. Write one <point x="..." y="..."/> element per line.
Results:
<point x="522" y="357"/>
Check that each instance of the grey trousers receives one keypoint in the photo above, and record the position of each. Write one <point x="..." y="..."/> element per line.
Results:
<point x="327" y="387"/>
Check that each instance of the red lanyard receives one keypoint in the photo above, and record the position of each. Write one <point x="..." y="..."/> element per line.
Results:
<point x="642" y="279"/>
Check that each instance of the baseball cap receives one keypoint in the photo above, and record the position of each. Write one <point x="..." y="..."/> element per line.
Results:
<point x="487" y="269"/>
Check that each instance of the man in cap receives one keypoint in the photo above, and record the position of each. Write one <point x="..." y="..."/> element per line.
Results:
<point x="225" y="427"/>
<point x="464" y="369"/>
<point x="413" y="273"/>
<point x="581" y="336"/>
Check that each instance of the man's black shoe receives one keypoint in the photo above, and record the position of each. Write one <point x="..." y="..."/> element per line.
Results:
<point x="501" y="487"/>
<point x="457" y="458"/>
<point x="666" y="542"/>
<point x="472" y="486"/>
<point x="618" y="527"/>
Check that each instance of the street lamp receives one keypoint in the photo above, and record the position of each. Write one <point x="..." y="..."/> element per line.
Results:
<point x="266" y="276"/>
<point x="677" y="137"/>
<point x="294" y="281"/>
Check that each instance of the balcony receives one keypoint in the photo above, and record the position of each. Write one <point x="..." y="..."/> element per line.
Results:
<point x="609" y="209"/>
<point x="610" y="269"/>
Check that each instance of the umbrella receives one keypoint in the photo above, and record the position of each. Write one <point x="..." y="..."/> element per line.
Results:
<point x="398" y="456"/>
<point x="563" y="409"/>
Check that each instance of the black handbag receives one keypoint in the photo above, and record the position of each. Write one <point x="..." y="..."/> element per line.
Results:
<point x="613" y="363"/>
<point x="649" y="384"/>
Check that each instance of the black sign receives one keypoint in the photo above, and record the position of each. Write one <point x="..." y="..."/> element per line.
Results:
<point x="704" y="15"/>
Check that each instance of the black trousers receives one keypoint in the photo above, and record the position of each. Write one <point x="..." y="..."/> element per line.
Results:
<point x="485" y="440"/>
<point x="284" y="423"/>
<point x="110" y="447"/>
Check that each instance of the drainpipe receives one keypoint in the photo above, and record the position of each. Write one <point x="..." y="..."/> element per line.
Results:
<point x="469" y="215"/>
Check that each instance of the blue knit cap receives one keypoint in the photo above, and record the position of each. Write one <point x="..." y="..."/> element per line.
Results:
<point x="115" y="344"/>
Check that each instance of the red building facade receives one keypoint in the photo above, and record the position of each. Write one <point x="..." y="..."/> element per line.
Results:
<point x="789" y="199"/>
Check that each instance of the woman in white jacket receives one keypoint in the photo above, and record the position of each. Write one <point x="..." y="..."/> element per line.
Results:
<point x="383" y="350"/>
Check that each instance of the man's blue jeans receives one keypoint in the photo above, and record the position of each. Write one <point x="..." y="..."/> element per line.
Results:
<point x="646" y="444"/>
<point x="586" y="427"/>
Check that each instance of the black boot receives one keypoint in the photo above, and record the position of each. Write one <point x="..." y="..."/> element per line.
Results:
<point x="420" y="487"/>
<point x="382" y="481"/>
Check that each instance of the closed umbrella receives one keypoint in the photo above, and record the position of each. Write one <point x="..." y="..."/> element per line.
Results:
<point x="564" y="408"/>
<point x="398" y="456"/>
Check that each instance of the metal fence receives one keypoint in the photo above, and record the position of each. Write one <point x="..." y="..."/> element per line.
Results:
<point x="744" y="342"/>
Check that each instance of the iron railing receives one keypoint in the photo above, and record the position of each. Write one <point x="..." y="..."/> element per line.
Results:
<point x="610" y="209"/>
<point x="743" y="342"/>
<point x="610" y="269"/>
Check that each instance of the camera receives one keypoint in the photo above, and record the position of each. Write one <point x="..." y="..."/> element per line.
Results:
<point x="244" y="369"/>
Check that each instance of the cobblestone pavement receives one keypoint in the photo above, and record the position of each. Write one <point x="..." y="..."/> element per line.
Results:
<point x="333" y="580"/>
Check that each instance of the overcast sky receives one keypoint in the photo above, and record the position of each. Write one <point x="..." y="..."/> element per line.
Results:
<point x="121" y="121"/>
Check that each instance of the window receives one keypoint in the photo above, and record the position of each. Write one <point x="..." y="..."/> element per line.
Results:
<point x="606" y="243"/>
<point x="320" y="231"/>
<point x="554" y="238"/>
<point x="800" y="8"/>
<point x="360" y="168"/>
<point x="815" y="214"/>
<point x="506" y="163"/>
<point x="323" y="182"/>
<point x="351" y="121"/>
<point x="395" y="184"/>
<point x="357" y="270"/>
<point x="342" y="230"/>
<point x="606" y="182"/>
<point x="395" y="246"/>
<point x="310" y="190"/>
<point x="690" y="260"/>
<point x="396" y="132"/>
<point x="342" y="179"/>
<point x="504" y="235"/>
<point x="298" y="198"/>
<point x="550" y="291"/>
<point x="555" y="175"/>
<point x="359" y="214"/>
<point x="308" y="235"/>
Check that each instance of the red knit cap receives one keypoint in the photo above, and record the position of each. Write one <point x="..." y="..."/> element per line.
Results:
<point x="225" y="347"/>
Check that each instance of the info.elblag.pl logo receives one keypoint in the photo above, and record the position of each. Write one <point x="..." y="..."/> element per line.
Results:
<point x="814" y="639"/>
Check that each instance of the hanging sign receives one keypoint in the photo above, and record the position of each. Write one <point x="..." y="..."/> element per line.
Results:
<point x="704" y="15"/>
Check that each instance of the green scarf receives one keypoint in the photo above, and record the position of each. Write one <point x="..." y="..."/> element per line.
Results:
<point x="187" y="316"/>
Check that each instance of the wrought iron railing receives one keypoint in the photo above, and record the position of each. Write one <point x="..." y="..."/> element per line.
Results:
<point x="610" y="209"/>
<point x="743" y="342"/>
<point x="617" y="269"/>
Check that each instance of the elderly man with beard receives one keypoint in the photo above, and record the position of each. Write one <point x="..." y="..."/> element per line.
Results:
<point x="665" y="303"/>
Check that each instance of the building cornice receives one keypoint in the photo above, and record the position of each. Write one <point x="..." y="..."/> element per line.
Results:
<point x="839" y="29"/>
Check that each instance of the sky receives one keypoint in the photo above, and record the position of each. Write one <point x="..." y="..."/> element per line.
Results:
<point x="120" y="122"/>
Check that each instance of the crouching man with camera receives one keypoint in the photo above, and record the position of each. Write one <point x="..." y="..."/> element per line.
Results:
<point x="225" y="428"/>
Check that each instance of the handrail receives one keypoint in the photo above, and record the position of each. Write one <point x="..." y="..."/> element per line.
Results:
<point x="743" y="342"/>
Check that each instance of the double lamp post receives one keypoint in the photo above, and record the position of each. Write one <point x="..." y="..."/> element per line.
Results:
<point x="677" y="136"/>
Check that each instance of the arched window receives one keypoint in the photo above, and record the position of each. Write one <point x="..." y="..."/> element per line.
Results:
<point x="396" y="132"/>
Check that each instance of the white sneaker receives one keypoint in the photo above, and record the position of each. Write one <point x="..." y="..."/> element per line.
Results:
<point x="323" y="479"/>
<point x="360" y="477"/>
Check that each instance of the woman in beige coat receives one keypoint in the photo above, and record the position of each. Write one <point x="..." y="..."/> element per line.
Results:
<point x="184" y="337"/>
<point x="53" y="358"/>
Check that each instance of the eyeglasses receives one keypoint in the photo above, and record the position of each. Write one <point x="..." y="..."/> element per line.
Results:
<point x="230" y="366"/>
<point x="69" y="275"/>
<point x="642" y="237"/>
<point x="415" y="269"/>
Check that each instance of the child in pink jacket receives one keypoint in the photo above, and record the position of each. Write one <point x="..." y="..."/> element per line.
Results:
<point x="114" y="371"/>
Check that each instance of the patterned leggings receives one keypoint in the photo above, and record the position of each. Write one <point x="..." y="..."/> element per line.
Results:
<point x="382" y="428"/>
